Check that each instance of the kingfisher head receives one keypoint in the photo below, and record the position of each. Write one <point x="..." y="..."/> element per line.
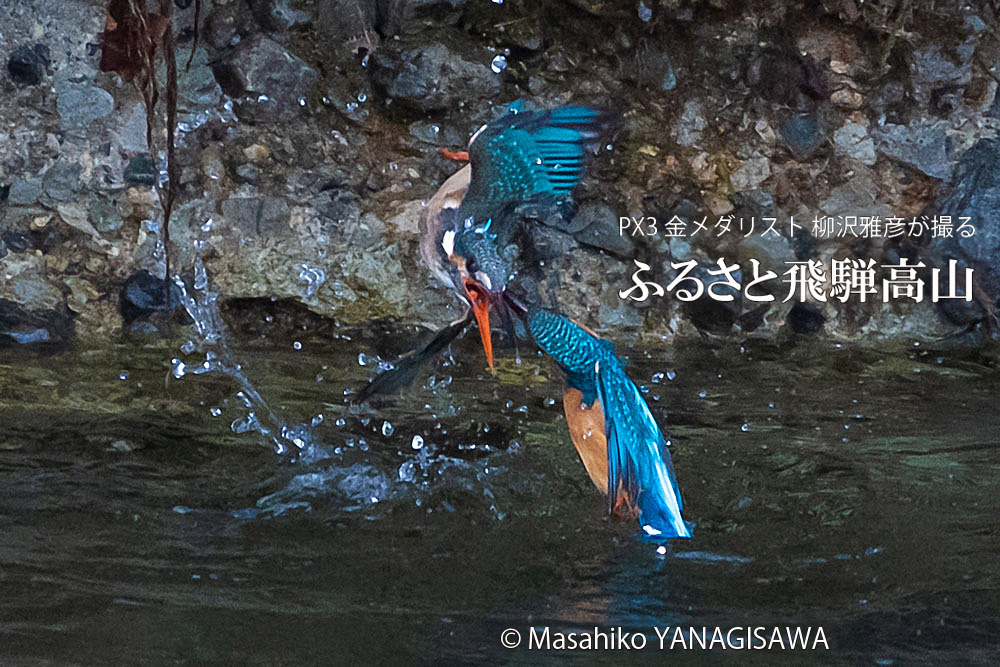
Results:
<point x="484" y="271"/>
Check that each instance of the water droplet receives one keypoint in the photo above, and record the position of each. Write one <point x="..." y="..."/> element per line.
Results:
<point x="387" y="429"/>
<point x="317" y="420"/>
<point x="745" y="428"/>
<point x="661" y="550"/>
<point x="417" y="442"/>
<point x="497" y="2"/>
<point x="702" y="394"/>
<point x="352" y="107"/>
<point x="216" y="412"/>
<point x="302" y="101"/>
<point x="207" y="227"/>
<point x="362" y="359"/>
<point x="657" y="378"/>
<point x="297" y="345"/>
<point x="671" y="375"/>
<point x="499" y="64"/>
<point x="362" y="97"/>
<point x="340" y="422"/>
<point x="123" y="376"/>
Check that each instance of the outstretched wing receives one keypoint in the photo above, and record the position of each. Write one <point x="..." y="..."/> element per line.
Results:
<point x="528" y="156"/>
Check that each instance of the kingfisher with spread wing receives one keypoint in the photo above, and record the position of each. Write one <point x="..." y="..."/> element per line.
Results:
<point x="522" y="168"/>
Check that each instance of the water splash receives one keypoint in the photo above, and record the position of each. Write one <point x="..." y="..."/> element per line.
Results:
<point x="202" y="305"/>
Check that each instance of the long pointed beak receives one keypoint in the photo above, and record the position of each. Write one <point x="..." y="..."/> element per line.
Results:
<point x="479" y="297"/>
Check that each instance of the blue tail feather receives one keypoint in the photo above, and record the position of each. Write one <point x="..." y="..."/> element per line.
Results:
<point x="639" y="462"/>
<point x="638" y="457"/>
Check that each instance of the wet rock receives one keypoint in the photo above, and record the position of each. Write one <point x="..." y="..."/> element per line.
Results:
<point x="27" y="64"/>
<point x="922" y="145"/>
<point x="16" y="241"/>
<point x="75" y="215"/>
<point x="278" y="15"/>
<point x="709" y="314"/>
<point x="599" y="229"/>
<point x="23" y="281"/>
<point x="932" y="68"/>
<point x="25" y="326"/>
<point x="348" y="24"/>
<point x="437" y="134"/>
<point x="975" y="193"/>
<point x="802" y="135"/>
<point x="431" y="77"/>
<point x="80" y="104"/>
<point x="275" y="78"/>
<point x="805" y="318"/>
<point x="853" y="141"/>
<point x="197" y="88"/>
<point x="691" y="124"/>
<point x="131" y="134"/>
<point x="228" y="24"/>
<point x="144" y="294"/>
<point x="141" y="170"/>
<point x="105" y="216"/>
<point x="61" y="181"/>
<point x="25" y="191"/>
<point x="856" y="197"/>
<point x="257" y="216"/>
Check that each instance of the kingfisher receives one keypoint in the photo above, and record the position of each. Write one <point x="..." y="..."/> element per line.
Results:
<point x="522" y="168"/>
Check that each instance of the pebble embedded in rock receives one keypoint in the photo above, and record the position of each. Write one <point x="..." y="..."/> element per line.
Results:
<point x="802" y="135"/>
<point x="80" y="104"/>
<point x="853" y="140"/>
<point x="922" y="145"/>
<point x="27" y="64"/>
<point x="144" y="294"/>
<point x="141" y="170"/>
<point x="432" y="77"/>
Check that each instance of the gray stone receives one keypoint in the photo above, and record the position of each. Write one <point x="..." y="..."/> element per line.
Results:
<point x="431" y="77"/>
<point x="271" y="76"/>
<point x="141" y="170"/>
<point x="104" y="216"/>
<point x="751" y="173"/>
<point x="278" y="15"/>
<point x="602" y="231"/>
<point x="856" y="197"/>
<point x="975" y="193"/>
<point x="853" y="140"/>
<point x="922" y="145"/>
<point x="802" y="135"/>
<point x="933" y="68"/>
<point x="131" y="134"/>
<point x="61" y="181"/>
<point x="197" y="88"/>
<point x="257" y="216"/>
<point x="691" y="125"/>
<point x="25" y="191"/>
<point x="80" y="104"/>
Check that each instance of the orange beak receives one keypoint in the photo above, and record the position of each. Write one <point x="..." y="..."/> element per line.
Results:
<point x="480" y="300"/>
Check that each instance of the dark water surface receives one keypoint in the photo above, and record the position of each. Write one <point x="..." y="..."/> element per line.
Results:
<point x="831" y="486"/>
